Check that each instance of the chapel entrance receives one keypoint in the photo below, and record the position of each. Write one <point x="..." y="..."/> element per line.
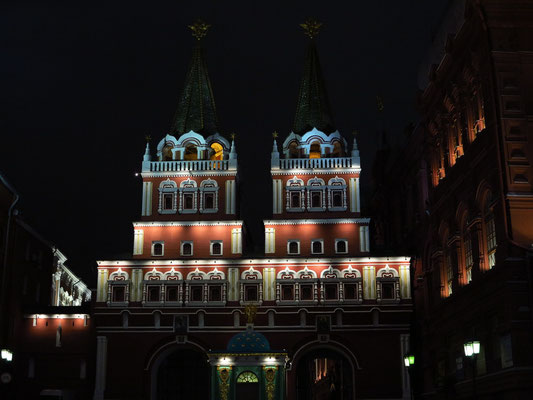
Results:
<point x="324" y="374"/>
<point x="183" y="375"/>
<point x="247" y="387"/>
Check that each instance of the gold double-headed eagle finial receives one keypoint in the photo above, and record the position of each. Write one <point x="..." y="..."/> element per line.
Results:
<point x="199" y="29"/>
<point x="275" y="134"/>
<point x="311" y="27"/>
<point x="250" y="310"/>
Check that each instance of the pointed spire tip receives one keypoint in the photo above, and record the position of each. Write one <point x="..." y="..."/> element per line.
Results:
<point x="199" y="29"/>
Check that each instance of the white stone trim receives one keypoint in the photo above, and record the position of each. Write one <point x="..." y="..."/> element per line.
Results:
<point x="138" y="242"/>
<point x="208" y="186"/>
<point x="230" y="197"/>
<point x="277" y="196"/>
<point x="313" y="221"/>
<point x="270" y="240"/>
<point x="168" y="187"/>
<point x="236" y="241"/>
<point x="364" y="239"/>
<point x="187" y="223"/>
<point x="147" y="199"/>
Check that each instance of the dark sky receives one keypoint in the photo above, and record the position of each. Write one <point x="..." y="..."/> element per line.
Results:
<point x="83" y="84"/>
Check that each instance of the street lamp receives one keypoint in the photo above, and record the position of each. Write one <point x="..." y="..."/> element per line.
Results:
<point x="409" y="362"/>
<point x="472" y="348"/>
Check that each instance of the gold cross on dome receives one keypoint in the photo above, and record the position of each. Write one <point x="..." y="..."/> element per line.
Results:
<point x="199" y="29"/>
<point x="311" y="27"/>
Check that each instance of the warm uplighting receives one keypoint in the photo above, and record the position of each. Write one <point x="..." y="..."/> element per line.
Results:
<point x="471" y="348"/>
<point x="7" y="355"/>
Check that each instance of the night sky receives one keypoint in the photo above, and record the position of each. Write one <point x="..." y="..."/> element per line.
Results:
<point x="83" y="84"/>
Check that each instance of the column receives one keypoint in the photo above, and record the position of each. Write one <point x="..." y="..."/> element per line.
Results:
<point x="101" y="366"/>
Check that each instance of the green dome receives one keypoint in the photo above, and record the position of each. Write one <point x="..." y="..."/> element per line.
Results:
<point x="248" y="342"/>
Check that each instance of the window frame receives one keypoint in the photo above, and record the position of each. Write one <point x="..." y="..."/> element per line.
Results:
<point x="297" y="241"/>
<point x="313" y="241"/>
<point x="346" y="246"/>
<point x="184" y="242"/>
<point x="212" y="243"/>
<point x="154" y="243"/>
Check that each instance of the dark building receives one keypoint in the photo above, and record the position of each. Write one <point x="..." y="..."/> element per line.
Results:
<point x="459" y="198"/>
<point x="45" y="335"/>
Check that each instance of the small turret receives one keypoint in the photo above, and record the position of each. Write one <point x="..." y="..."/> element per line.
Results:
<point x="275" y="153"/>
<point x="147" y="155"/>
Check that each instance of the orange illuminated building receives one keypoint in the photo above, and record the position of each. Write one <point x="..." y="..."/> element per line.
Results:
<point x="318" y="300"/>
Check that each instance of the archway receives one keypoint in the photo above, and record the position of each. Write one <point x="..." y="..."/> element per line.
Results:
<point x="247" y="387"/>
<point x="324" y="374"/>
<point x="183" y="375"/>
<point x="314" y="150"/>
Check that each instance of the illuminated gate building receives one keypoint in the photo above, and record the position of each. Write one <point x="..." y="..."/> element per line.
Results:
<point x="190" y="316"/>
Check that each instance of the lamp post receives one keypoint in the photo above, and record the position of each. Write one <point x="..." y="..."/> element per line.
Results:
<point x="472" y="348"/>
<point x="409" y="362"/>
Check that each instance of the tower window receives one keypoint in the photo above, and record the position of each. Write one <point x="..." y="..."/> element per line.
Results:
<point x="172" y="293"/>
<point x="167" y="201"/>
<point x="188" y="200"/>
<point x="197" y="292"/>
<point x="331" y="291"/>
<point x="314" y="150"/>
<point x="294" y="247"/>
<point x="209" y="201"/>
<point x="118" y="293"/>
<point x="316" y="199"/>
<point x="186" y="248"/>
<point x="336" y="196"/>
<point x="350" y="291"/>
<point x="250" y="293"/>
<point x="341" y="246"/>
<point x="216" y="248"/>
<point x="387" y="291"/>
<point x="157" y="248"/>
<point x="287" y="292"/>
<point x="191" y="153"/>
<point x="306" y="291"/>
<point x="317" y="246"/>
<point x="215" y="293"/>
<point x="296" y="200"/>
<point x="154" y="293"/>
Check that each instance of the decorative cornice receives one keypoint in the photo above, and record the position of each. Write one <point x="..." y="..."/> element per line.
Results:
<point x="186" y="174"/>
<point x="187" y="223"/>
<point x="325" y="171"/>
<point x="317" y="221"/>
<point x="256" y="262"/>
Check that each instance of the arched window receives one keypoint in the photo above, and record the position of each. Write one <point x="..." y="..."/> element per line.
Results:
<point x="218" y="151"/>
<point x="317" y="246"/>
<point x="490" y="230"/>
<point x="294" y="247"/>
<point x="341" y="246"/>
<point x="316" y="199"/>
<point x="191" y="153"/>
<point x="167" y="152"/>
<point x="314" y="150"/>
<point x="216" y="248"/>
<point x="337" y="150"/>
<point x="247" y="377"/>
<point x="157" y="248"/>
<point x="186" y="249"/>
<point x="293" y="150"/>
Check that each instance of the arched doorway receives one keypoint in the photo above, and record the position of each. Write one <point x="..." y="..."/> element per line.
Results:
<point x="183" y="375"/>
<point x="324" y="374"/>
<point x="247" y="387"/>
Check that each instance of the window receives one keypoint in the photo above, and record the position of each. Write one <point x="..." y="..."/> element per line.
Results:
<point x="336" y="198"/>
<point x="449" y="273"/>
<point x="296" y="200"/>
<point x="186" y="248"/>
<point x="293" y="247"/>
<point x="209" y="201"/>
<point x="197" y="293"/>
<point x="306" y="291"/>
<point x="167" y="201"/>
<point x="387" y="291"/>
<point x="216" y="248"/>
<point x="154" y="293"/>
<point x="287" y="292"/>
<point x="350" y="291"/>
<point x="331" y="291"/>
<point x="191" y="153"/>
<point x="250" y="292"/>
<point x="317" y="246"/>
<point x="247" y="377"/>
<point x="314" y="150"/>
<point x="215" y="293"/>
<point x="491" y="239"/>
<point x="158" y="248"/>
<point x="118" y="293"/>
<point x="316" y="199"/>
<point x="172" y="293"/>
<point x="341" y="246"/>
<point x="469" y="260"/>
<point x="188" y="200"/>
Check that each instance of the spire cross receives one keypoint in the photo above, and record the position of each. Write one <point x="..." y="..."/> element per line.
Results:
<point x="199" y="29"/>
<point x="311" y="27"/>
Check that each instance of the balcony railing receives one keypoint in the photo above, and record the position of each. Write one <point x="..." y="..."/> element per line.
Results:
<point x="176" y="166"/>
<point x="317" y="163"/>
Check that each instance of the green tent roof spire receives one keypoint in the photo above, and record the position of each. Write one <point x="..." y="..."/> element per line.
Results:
<point x="196" y="107"/>
<point x="312" y="110"/>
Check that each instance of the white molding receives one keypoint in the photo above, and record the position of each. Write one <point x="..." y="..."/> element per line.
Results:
<point x="260" y="262"/>
<point x="188" y="223"/>
<point x="317" y="221"/>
